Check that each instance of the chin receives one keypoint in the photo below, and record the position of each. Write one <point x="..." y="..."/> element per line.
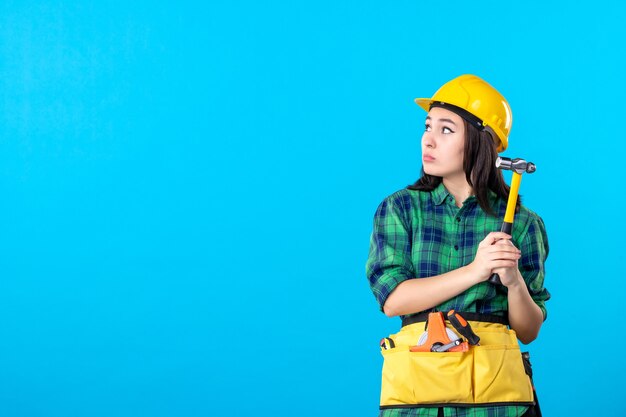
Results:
<point x="433" y="173"/>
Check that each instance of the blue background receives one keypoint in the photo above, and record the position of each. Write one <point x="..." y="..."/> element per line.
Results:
<point x="187" y="191"/>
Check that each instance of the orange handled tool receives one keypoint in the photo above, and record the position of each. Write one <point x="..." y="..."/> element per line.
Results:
<point x="437" y="337"/>
<point x="463" y="327"/>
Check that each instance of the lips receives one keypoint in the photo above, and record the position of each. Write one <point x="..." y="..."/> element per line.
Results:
<point x="428" y="158"/>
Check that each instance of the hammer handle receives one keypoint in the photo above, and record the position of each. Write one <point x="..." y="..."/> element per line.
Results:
<point x="507" y="225"/>
<point x="506" y="228"/>
<point x="511" y="204"/>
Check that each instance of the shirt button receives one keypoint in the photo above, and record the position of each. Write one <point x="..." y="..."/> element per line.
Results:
<point x="458" y="219"/>
<point x="456" y="247"/>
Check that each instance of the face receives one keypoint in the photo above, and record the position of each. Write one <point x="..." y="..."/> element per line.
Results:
<point x="443" y="144"/>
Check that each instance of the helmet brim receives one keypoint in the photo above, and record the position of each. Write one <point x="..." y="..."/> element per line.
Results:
<point x="424" y="103"/>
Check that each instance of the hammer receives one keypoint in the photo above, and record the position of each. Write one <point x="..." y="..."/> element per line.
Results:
<point x="518" y="166"/>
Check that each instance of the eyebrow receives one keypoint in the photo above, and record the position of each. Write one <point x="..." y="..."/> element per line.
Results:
<point x="442" y="120"/>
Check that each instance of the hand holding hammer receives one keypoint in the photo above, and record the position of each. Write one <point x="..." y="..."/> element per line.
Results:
<point x="518" y="166"/>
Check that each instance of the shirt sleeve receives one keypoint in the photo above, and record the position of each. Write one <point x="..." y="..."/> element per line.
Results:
<point x="535" y="250"/>
<point x="389" y="261"/>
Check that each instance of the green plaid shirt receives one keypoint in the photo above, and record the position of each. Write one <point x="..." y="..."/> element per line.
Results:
<point x="421" y="234"/>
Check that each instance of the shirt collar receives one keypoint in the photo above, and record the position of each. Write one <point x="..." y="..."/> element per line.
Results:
<point x="440" y="194"/>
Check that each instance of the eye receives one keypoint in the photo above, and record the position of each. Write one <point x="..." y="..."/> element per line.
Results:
<point x="446" y="130"/>
<point x="427" y="127"/>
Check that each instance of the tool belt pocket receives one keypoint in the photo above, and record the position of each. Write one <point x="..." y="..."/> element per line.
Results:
<point x="484" y="375"/>
<point x="499" y="375"/>
<point x="425" y="377"/>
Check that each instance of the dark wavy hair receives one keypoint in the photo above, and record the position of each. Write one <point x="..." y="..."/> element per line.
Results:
<point x="479" y="164"/>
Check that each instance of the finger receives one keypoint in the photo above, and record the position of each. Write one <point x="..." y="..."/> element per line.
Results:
<point x="508" y="256"/>
<point x="503" y="269"/>
<point x="495" y="265"/>
<point x="504" y="243"/>
<point x="493" y="237"/>
<point x="498" y="250"/>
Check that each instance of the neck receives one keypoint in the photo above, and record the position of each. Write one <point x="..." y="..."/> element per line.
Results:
<point x="459" y="188"/>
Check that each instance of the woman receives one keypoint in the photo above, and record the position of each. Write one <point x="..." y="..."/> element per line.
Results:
<point x="434" y="247"/>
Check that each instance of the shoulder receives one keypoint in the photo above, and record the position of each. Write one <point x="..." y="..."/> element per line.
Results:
<point x="529" y="221"/>
<point x="528" y="215"/>
<point x="403" y="200"/>
<point x="402" y="206"/>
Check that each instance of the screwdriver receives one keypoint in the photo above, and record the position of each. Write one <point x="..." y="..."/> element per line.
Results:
<point x="387" y="343"/>
<point x="463" y="327"/>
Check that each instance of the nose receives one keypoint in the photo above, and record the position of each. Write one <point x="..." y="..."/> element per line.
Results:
<point x="428" y="140"/>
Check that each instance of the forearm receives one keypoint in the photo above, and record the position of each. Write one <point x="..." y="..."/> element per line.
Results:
<point x="421" y="294"/>
<point x="525" y="316"/>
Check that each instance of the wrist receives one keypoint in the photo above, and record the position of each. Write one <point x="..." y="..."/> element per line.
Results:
<point x="473" y="274"/>
<point x="518" y="284"/>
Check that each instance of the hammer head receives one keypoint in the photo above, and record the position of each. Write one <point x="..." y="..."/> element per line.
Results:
<point x="518" y="165"/>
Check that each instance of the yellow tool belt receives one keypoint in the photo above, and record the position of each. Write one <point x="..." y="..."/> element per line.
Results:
<point x="492" y="373"/>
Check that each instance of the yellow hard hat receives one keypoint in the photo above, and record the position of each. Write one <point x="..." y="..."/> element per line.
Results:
<point x="475" y="96"/>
